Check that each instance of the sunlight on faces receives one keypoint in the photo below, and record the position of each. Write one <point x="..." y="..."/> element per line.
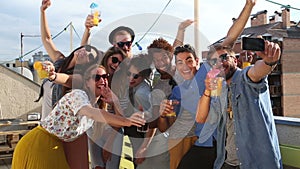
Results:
<point x="124" y="38"/>
<point x="113" y="63"/>
<point x="95" y="81"/>
<point x="133" y="81"/>
<point x="162" y="29"/>
<point x="162" y="61"/>
<point x="223" y="60"/>
<point x="186" y="65"/>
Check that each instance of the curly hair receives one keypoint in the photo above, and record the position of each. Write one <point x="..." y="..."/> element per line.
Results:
<point x="159" y="45"/>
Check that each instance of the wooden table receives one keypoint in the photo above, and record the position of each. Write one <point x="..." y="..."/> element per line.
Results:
<point x="11" y="131"/>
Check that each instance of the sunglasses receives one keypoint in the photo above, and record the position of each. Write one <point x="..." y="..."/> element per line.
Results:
<point x="223" y="57"/>
<point x="98" y="77"/>
<point x="115" y="60"/>
<point x="134" y="75"/>
<point x="184" y="48"/>
<point x="122" y="44"/>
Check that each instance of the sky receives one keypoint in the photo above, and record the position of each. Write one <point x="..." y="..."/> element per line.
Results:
<point x="215" y="18"/>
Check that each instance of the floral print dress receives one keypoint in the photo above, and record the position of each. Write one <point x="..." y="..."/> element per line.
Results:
<point x="64" y="120"/>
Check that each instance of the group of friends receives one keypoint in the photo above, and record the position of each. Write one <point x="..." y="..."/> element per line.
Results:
<point x="91" y="99"/>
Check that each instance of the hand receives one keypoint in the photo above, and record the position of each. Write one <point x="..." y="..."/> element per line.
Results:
<point x="45" y="4"/>
<point x="136" y="119"/>
<point x="272" y="52"/>
<point x="106" y="151"/>
<point x="89" y="23"/>
<point x="210" y="83"/>
<point x="251" y="2"/>
<point x="166" y="107"/>
<point x="183" y="25"/>
<point x="140" y="155"/>
<point x="49" y="67"/>
<point x="107" y="95"/>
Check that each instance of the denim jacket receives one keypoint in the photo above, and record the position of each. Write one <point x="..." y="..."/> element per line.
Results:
<point x="256" y="136"/>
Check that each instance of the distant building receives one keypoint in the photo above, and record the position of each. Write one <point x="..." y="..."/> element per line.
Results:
<point x="25" y="68"/>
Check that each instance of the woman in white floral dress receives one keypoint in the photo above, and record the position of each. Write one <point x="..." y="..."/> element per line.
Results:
<point x="73" y="115"/>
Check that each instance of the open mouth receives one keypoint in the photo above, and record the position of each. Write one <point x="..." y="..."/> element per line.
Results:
<point x="113" y="69"/>
<point x="186" y="72"/>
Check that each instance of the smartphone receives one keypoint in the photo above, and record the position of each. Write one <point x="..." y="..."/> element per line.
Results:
<point x="254" y="44"/>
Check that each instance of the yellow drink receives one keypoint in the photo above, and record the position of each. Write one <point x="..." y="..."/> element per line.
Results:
<point x="96" y="18"/>
<point x="173" y="113"/>
<point x="218" y="90"/>
<point x="246" y="64"/>
<point x="42" y="73"/>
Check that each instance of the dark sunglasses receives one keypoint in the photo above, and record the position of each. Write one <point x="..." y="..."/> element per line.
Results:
<point x="122" y="44"/>
<point x="184" y="48"/>
<point x="115" y="60"/>
<point x="98" y="77"/>
<point x="135" y="76"/>
<point x="223" y="57"/>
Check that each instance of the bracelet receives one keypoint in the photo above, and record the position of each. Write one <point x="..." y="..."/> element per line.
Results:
<point x="161" y="116"/>
<point x="206" y="95"/>
<point x="271" y="64"/>
<point x="55" y="76"/>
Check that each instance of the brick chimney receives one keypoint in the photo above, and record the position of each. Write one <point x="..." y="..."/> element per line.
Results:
<point x="275" y="18"/>
<point x="286" y="22"/>
<point x="260" y="18"/>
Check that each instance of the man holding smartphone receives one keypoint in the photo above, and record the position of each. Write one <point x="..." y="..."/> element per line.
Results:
<point x="246" y="136"/>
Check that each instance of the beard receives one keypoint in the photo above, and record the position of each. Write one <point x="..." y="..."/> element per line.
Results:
<point x="230" y="72"/>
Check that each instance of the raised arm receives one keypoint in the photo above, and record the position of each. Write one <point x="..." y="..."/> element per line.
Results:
<point x="263" y="67"/>
<point x="87" y="32"/>
<point x="180" y="32"/>
<point x="238" y="26"/>
<point x="46" y="35"/>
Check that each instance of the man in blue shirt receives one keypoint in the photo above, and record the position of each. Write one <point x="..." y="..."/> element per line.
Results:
<point x="246" y="133"/>
<point x="203" y="153"/>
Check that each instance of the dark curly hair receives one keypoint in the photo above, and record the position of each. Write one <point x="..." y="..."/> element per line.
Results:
<point x="159" y="45"/>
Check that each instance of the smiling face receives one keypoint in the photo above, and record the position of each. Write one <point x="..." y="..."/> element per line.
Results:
<point x="134" y="77"/>
<point x="113" y="63"/>
<point x="226" y="62"/>
<point x="97" y="80"/>
<point x="124" y="42"/>
<point x="186" y="65"/>
<point x="162" y="61"/>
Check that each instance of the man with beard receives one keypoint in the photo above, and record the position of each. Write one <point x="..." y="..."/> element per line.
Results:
<point x="246" y="136"/>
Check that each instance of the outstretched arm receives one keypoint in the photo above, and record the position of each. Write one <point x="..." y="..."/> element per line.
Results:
<point x="46" y="35"/>
<point x="238" y="26"/>
<point x="263" y="67"/>
<point x="111" y="119"/>
<point x="180" y="32"/>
